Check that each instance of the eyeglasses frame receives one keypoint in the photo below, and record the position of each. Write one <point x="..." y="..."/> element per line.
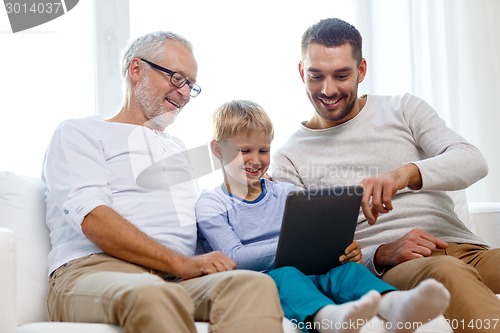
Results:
<point x="171" y="73"/>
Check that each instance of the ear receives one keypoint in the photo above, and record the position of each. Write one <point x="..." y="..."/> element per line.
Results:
<point x="362" y="70"/>
<point x="134" y="69"/>
<point x="301" y="71"/>
<point x="214" y="145"/>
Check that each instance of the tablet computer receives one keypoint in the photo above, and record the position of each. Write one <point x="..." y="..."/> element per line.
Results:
<point x="317" y="227"/>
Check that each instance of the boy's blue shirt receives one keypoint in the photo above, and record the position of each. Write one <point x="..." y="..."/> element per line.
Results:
<point x="245" y="231"/>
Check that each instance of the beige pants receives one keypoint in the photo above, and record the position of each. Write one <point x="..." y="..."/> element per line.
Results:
<point x="103" y="289"/>
<point x="472" y="275"/>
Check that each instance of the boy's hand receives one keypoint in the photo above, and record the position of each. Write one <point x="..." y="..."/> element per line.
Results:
<point x="351" y="254"/>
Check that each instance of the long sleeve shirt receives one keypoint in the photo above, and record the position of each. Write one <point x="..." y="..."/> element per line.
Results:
<point x="247" y="232"/>
<point x="389" y="132"/>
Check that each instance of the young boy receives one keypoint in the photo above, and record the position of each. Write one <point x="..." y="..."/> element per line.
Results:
<point x="242" y="218"/>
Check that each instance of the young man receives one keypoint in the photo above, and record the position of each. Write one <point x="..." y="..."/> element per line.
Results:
<point x="405" y="157"/>
<point x="120" y="210"/>
<point x="242" y="218"/>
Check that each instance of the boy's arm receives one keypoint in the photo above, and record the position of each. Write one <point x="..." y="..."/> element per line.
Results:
<point x="213" y="224"/>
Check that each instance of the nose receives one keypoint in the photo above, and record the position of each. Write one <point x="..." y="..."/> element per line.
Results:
<point x="254" y="159"/>
<point x="329" y="87"/>
<point x="185" y="91"/>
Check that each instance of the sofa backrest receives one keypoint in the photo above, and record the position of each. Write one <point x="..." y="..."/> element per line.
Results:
<point x="22" y="209"/>
<point x="462" y="208"/>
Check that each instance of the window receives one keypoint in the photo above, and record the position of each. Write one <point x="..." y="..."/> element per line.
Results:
<point x="47" y="76"/>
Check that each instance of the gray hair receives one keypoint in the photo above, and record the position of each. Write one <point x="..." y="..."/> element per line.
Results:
<point x="149" y="46"/>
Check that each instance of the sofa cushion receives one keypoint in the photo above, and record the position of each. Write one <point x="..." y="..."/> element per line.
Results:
<point x="461" y="207"/>
<point x="486" y="219"/>
<point x="22" y="209"/>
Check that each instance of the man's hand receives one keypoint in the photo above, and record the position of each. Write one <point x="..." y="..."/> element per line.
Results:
<point x="379" y="191"/>
<point x="415" y="244"/>
<point x="205" y="264"/>
<point x="352" y="253"/>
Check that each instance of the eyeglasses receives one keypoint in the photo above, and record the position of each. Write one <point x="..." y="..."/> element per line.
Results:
<point x="177" y="79"/>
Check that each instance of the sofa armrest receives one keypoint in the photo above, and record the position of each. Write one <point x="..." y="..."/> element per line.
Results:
<point x="8" y="316"/>
<point x="485" y="217"/>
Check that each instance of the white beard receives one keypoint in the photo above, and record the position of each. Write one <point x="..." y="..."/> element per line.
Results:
<point x="153" y="107"/>
<point x="162" y="121"/>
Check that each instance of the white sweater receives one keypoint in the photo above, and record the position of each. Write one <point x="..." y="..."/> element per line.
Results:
<point x="388" y="132"/>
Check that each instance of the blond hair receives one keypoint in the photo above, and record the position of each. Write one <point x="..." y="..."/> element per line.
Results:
<point x="241" y="116"/>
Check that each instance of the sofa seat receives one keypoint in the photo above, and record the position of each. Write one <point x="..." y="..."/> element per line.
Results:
<point x="373" y="326"/>
<point x="25" y="244"/>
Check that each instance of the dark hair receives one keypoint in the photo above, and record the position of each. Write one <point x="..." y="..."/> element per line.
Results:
<point x="333" y="32"/>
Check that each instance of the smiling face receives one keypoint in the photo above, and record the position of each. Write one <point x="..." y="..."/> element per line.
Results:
<point x="331" y="76"/>
<point x="159" y="112"/>
<point x="245" y="158"/>
<point x="155" y="99"/>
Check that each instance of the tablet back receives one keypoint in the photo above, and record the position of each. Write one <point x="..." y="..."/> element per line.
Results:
<point x="317" y="227"/>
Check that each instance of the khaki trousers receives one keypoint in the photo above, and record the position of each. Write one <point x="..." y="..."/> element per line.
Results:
<point x="472" y="275"/>
<point x="103" y="289"/>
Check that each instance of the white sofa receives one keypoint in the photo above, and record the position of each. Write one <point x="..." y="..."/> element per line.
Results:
<point x="24" y="245"/>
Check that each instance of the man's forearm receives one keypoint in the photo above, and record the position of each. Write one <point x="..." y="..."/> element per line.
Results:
<point x="379" y="259"/>
<point x="118" y="237"/>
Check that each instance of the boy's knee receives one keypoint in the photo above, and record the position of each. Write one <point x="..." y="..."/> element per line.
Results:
<point x="351" y="270"/>
<point x="248" y="277"/>
<point x="356" y="266"/>
<point x="284" y="272"/>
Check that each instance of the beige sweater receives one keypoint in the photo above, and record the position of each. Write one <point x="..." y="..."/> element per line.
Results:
<point x="389" y="132"/>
